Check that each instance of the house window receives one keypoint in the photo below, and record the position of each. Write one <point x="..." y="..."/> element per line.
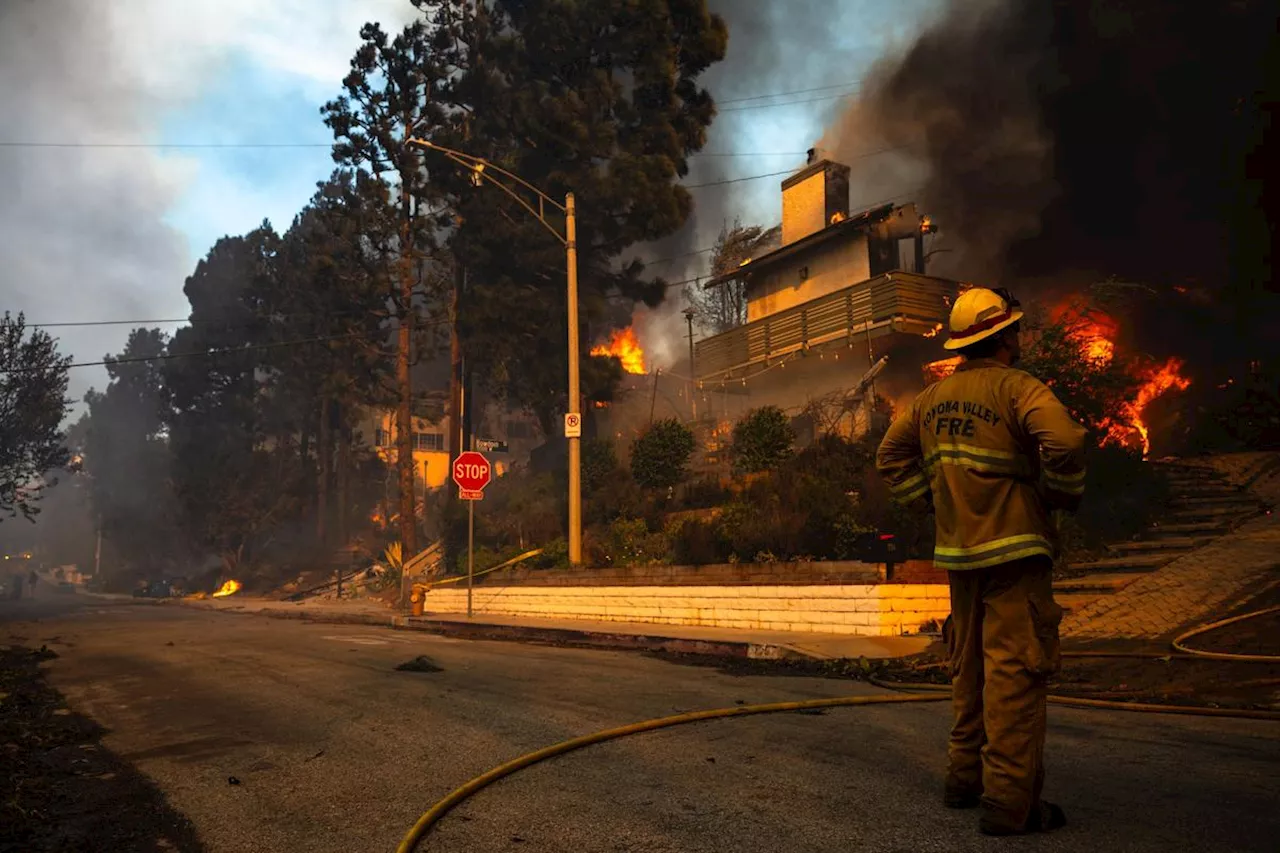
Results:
<point x="381" y="438"/>
<point x="428" y="441"/>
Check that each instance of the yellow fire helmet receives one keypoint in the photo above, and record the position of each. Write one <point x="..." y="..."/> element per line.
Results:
<point x="979" y="313"/>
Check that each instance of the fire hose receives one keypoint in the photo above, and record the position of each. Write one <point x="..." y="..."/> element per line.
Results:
<point x="902" y="695"/>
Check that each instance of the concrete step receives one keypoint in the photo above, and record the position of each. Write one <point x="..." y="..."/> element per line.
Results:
<point x="1170" y="543"/>
<point x="1183" y="528"/>
<point x="1190" y="501"/>
<point x="1102" y="583"/>
<point x="1177" y="472"/>
<point x="1134" y="563"/>
<point x="1215" y="491"/>
<point x="1212" y="513"/>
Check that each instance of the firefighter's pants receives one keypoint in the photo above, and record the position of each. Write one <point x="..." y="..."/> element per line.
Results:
<point x="1004" y="647"/>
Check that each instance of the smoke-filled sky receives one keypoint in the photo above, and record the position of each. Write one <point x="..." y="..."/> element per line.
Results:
<point x="1105" y="136"/>
<point x="110" y="233"/>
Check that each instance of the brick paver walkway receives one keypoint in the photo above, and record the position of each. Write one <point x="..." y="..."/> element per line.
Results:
<point x="1191" y="589"/>
<point x="1199" y="586"/>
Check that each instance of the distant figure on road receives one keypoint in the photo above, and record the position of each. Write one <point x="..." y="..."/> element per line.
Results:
<point x="31" y="580"/>
<point x="996" y="454"/>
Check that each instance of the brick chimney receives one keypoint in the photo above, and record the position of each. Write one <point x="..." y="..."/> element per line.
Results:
<point x="814" y="197"/>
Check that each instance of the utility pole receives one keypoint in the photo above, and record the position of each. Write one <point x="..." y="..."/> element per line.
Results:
<point x="693" y="381"/>
<point x="575" y="401"/>
<point x="404" y="378"/>
<point x="455" y="366"/>
<point x="482" y="170"/>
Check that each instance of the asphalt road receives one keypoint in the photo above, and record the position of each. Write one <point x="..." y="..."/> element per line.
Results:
<point x="337" y="751"/>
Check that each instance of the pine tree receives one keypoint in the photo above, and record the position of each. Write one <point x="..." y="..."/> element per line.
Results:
<point x="390" y="93"/>
<point x="33" y="388"/>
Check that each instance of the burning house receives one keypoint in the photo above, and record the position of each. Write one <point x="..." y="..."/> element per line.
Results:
<point x="844" y="290"/>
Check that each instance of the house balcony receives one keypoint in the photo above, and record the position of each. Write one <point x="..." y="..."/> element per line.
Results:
<point x="896" y="302"/>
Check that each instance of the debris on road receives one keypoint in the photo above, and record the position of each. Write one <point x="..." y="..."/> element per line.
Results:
<point x="421" y="663"/>
<point x="59" y="788"/>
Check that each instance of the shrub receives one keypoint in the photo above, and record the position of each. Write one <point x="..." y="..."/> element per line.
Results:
<point x="599" y="464"/>
<point x="630" y="543"/>
<point x="698" y="542"/>
<point x="762" y="440"/>
<point x="660" y="456"/>
<point x="1123" y="495"/>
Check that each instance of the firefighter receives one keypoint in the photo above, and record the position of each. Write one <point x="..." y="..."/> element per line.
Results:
<point x="997" y="456"/>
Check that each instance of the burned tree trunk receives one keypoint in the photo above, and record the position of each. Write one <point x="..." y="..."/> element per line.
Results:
<point x="324" y="451"/>
<point x="344" y="480"/>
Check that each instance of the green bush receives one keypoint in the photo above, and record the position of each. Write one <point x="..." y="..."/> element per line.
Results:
<point x="631" y="543"/>
<point x="599" y="464"/>
<point x="660" y="456"/>
<point x="698" y="542"/>
<point x="555" y="555"/>
<point x="762" y="440"/>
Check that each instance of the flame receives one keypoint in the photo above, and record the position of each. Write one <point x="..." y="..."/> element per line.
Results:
<point x="624" y="346"/>
<point x="1157" y="381"/>
<point x="1095" y="332"/>
<point x="937" y="370"/>
<point x="227" y="588"/>
<point x="933" y="333"/>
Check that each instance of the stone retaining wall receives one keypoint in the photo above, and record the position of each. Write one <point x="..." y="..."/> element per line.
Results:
<point x="726" y="574"/>
<point x="883" y="609"/>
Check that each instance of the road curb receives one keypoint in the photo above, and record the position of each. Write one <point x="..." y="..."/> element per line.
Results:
<point x="573" y="637"/>
<point x="388" y="620"/>
<point x="597" y="639"/>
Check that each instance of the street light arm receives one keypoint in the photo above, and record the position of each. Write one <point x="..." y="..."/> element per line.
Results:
<point x="480" y="166"/>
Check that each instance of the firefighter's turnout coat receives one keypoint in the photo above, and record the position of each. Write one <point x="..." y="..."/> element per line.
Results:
<point x="996" y="452"/>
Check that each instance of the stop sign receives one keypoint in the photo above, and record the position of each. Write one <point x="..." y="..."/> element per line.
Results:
<point x="471" y="471"/>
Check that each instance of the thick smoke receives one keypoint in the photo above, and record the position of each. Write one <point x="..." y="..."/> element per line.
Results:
<point x="1061" y="144"/>
<point x="773" y="47"/>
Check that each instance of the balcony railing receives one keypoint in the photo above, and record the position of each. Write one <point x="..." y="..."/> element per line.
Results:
<point x="897" y="301"/>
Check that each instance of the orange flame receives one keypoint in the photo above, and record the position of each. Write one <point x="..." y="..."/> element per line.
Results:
<point x="624" y="346"/>
<point x="936" y="370"/>
<point x="1095" y="333"/>
<point x="933" y="333"/>
<point x="1157" y="381"/>
<point x="227" y="588"/>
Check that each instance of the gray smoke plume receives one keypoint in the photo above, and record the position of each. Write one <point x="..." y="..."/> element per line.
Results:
<point x="82" y="231"/>
<point x="773" y="48"/>
<point x="1061" y="144"/>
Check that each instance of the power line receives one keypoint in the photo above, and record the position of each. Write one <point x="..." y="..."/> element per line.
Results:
<point x="787" y="103"/>
<point x="861" y="156"/>
<point x="737" y="180"/>
<point x="268" y="145"/>
<point x="126" y="145"/>
<point x="18" y="143"/>
<point x="173" y="355"/>
<point x="202" y="320"/>
<point x="792" y="92"/>
<point x="706" y="249"/>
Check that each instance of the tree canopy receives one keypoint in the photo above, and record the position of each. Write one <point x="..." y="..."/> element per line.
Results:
<point x="33" y="401"/>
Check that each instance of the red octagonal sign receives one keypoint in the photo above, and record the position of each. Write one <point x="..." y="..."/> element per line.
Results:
<point x="472" y="472"/>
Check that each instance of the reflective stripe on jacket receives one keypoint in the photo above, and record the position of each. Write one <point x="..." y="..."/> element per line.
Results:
<point x="997" y="452"/>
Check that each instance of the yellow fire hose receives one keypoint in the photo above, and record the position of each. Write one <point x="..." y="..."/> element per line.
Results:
<point x="440" y="809"/>
<point x="1179" y="642"/>
<point x="933" y="693"/>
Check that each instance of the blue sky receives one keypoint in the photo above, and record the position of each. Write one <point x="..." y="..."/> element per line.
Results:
<point x="110" y="234"/>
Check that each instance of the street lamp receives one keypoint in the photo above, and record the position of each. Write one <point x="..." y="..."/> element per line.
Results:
<point x="482" y="170"/>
